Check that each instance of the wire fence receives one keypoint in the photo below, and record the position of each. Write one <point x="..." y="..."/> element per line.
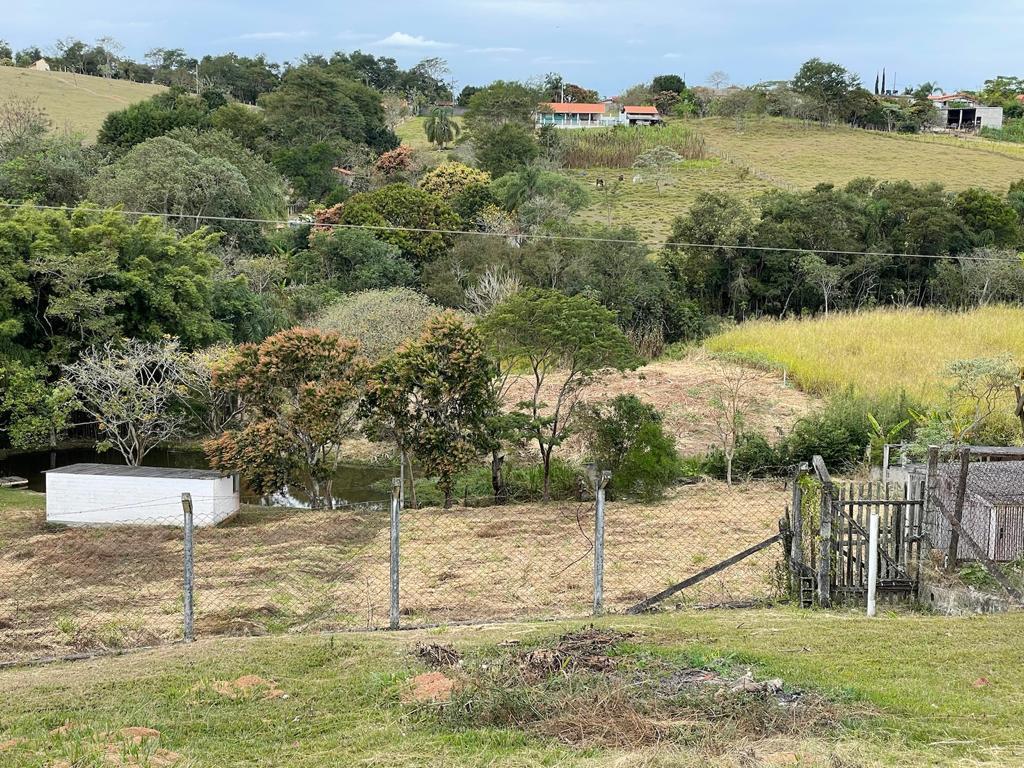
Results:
<point x="82" y="589"/>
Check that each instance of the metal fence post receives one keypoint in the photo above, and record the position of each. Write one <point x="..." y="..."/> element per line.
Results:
<point x="601" y="484"/>
<point x="186" y="506"/>
<point x="958" y="510"/>
<point x="396" y="504"/>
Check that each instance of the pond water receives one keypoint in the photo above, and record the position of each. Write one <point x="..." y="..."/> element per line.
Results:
<point x="352" y="483"/>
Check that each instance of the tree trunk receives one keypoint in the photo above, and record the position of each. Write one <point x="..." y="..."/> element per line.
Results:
<point x="547" y="475"/>
<point x="412" y="484"/>
<point x="497" y="481"/>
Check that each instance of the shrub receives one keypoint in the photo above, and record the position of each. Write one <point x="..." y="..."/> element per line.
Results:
<point x="754" y="457"/>
<point x="448" y="180"/>
<point x="379" y="320"/>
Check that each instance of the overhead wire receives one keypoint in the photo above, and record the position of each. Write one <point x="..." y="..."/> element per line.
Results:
<point x="526" y="236"/>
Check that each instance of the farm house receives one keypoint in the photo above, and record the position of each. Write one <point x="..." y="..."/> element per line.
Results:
<point x="112" y="494"/>
<point x="993" y="514"/>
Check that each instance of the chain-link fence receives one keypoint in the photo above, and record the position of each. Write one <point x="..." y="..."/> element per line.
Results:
<point x="68" y="590"/>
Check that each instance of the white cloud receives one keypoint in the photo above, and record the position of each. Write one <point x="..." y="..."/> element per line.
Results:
<point x="272" y="35"/>
<point x="496" y="49"/>
<point x="403" y="40"/>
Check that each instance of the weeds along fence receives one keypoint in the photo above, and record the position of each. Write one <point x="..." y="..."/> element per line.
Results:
<point x="619" y="147"/>
<point x="67" y="590"/>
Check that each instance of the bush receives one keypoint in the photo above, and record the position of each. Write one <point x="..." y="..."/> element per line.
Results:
<point x="522" y="483"/>
<point x="448" y="180"/>
<point x="505" y="149"/>
<point x="626" y="437"/>
<point x="754" y="457"/>
<point x="379" y="320"/>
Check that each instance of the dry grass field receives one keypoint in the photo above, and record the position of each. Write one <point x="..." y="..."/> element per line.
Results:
<point x="78" y="103"/>
<point x="804" y="154"/>
<point x="683" y="390"/>
<point x="877" y="351"/>
<point x="66" y="590"/>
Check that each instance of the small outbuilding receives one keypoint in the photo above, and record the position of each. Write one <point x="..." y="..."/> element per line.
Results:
<point x="40" y="65"/>
<point x="113" y="494"/>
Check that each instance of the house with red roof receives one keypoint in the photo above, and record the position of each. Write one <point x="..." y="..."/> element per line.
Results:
<point x="964" y="112"/>
<point x="605" y="114"/>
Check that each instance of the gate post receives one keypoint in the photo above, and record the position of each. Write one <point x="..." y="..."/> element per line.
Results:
<point x="599" y="489"/>
<point x="825" y="559"/>
<point x="958" y="510"/>
<point x="396" y="504"/>
<point x="796" y="545"/>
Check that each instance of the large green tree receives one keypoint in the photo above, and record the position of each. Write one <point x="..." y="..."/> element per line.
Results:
<point x="559" y="339"/>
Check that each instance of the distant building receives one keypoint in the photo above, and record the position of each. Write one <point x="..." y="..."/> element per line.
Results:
<point x="42" y="65"/>
<point x="641" y="116"/>
<point x="602" y="115"/>
<point x="963" y="112"/>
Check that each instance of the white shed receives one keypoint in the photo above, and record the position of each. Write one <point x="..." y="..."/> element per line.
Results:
<point x="113" y="494"/>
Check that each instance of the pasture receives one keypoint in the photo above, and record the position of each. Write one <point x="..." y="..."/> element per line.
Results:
<point x="877" y="351"/>
<point x="77" y="103"/>
<point x="803" y="155"/>
<point x="947" y="693"/>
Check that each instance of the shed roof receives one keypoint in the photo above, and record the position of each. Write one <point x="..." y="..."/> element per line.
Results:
<point x="562" y="106"/>
<point x="642" y="110"/>
<point x="120" y="470"/>
<point x="998" y="482"/>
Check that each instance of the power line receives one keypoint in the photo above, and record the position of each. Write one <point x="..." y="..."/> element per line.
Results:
<point x="527" y="236"/>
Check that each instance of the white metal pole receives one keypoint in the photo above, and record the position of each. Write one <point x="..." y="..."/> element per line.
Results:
<point x="885" y="465"/>
<point x="872" y="562"/>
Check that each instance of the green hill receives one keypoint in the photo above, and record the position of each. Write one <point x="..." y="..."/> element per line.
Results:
<point x="77" y="102"/>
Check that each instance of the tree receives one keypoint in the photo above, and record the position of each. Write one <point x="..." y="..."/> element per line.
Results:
<point x="501" y="103"/>
<point x="551" y="334"/>
<point x="21" y="121"/>
<point x="298" y="391"/>
<point x="444" y="396"/>
<point x="992" y="219"/>
<point x="450" y="179"/>
<point x="149" y="119"/>
<point x="500" y="150"/>
<point x="731" y="403"/>
<point x="351" y="260"/>
<point x="34" y="411"/>
<point x="718" y="79"/>
<point x="466" y="94"/>
<point x="55" y="169"/>
<point x="440" y="127"/>
<point x="659" y="162"/>
<point x="516" y="189"/>
<point x="412" y="219"/>
<point x="380" y="320"/>
<point x="130" y="388"/>
<point x="827" y="84"/>
<point x="827" y="277"/>
<point x="673" y="83"/>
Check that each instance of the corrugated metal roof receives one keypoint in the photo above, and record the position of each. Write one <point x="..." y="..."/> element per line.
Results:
<point x="998" y="482"/>
<point x="120" y="470"/>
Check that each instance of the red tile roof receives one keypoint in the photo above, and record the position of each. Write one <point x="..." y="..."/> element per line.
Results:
<point x="556" y="106"/>
<point x="643" y="110"/>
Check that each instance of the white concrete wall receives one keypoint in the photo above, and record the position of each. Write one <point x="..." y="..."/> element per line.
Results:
<point x="74" y="499"/>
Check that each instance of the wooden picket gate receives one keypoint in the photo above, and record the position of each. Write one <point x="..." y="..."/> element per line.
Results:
<point x="835" y="565"/>
<point x="900" y="511"/>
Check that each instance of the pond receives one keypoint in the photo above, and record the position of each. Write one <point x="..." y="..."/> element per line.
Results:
<point x="353" y="483"/>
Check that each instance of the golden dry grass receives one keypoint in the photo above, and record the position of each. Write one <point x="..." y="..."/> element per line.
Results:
<point x="805" y="154"/>
<point x="78" y="103"/>
<point x="66" y="590"/>
<point x="879" y="351"/>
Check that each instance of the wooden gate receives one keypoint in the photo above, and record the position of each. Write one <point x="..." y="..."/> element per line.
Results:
<point x="900" y="511"/>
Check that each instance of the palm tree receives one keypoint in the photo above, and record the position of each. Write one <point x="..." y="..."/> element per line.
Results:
<point x="440" y="127"/>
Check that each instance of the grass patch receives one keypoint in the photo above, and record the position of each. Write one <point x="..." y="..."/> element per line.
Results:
<point x="410" y="133"/>
<point x="804" y="155"/>
<point x="78" y="103"/>
<point x="879" y="351"/>
<point x="948" y="693"/>
<point x="619" y="147"/>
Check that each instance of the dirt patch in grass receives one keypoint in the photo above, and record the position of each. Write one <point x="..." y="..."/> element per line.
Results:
<point x="683" y="391"/>
<point x="595" y="687"/>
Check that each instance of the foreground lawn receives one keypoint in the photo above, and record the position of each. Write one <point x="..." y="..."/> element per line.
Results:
<point x="909" y="690"/>
<point x="804" y="154"/>
<point x="877" y="351"/>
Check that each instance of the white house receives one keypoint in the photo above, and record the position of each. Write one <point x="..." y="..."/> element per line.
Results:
<point x="963" y="112"/>
<point x="41" y="64"/>
<point x="113" y="494"/>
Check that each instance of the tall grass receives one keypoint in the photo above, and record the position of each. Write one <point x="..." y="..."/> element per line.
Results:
<point x="879" y="351"/>
<point x="1012" y="130"/>
<point x="620" y="146"/>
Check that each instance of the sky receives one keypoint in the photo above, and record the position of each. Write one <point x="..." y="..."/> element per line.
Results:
<point x="606" y="45"/>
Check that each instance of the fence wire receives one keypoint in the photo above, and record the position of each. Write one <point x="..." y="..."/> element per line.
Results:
<point x="74" y="589"/>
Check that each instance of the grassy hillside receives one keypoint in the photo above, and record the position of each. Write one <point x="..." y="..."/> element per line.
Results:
<point x="295" y="701"/>
<point x="77" y="102"/>
<point x="803" y="155"/>
<point x="880" y="350"/>
<point x="411" y="134"/>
